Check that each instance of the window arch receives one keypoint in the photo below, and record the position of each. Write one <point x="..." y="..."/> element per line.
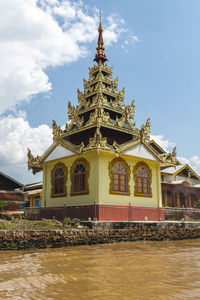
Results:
<point x="119" y="173"/>
<point x="59" y="180"/>
<point x="143" y="179"/>
<point x="79" y="177"/>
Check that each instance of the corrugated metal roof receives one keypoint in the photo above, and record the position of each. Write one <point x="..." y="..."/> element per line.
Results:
<point x="197" y="185"/>
<point x="34" y="192"/>
<point x="172" y="170"/>
<point x="181" y="182"/>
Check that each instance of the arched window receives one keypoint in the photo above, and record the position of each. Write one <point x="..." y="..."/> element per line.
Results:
<point x="58" y="180"/>
<point x="143" y="179"/>
<point x="119" y="173"/>
<point x="119" y="178"/>
<point x="79" y="177"/>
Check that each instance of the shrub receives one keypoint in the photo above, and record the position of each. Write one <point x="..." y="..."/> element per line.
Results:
<point x="197" y="204"/>
<point x="67" y="221"/>
<point x="2" y="204"/>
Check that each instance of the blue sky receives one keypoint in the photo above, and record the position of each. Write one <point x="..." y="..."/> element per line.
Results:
<point x="153" y="47"/>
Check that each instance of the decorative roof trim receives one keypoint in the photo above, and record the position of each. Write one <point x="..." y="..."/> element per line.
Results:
<point x="180" y="170"/>
<point x="153" y="142"/>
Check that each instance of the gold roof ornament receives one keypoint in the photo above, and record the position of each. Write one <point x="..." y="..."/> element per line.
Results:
<point x="98" y="142"/>
<point x="33" y="162"/>
<point x="57" y="132"/>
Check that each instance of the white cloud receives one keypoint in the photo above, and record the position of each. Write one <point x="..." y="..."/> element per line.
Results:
<point x="113" y="30"/>
<point x="166" y="144"/>
<point x="15" y="136"/>
<point x="193" y="162"/>
<point x="36" y="34"/>
<point x="131" y="40"/>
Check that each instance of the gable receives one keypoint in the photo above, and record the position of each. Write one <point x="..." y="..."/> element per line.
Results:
<point x="140" y="151"/>
<point x="8" y="183"/>
<point x="58" y="152"/>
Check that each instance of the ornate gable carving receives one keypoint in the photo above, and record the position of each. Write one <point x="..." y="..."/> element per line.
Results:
<point x="97" y="142"/>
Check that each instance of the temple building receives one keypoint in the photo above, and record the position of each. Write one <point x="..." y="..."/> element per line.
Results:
<point x="180" y="184"/>
<point x="102" y="166"/>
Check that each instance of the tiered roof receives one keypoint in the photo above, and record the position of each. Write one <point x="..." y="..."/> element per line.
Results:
<point x="101" y="121"/>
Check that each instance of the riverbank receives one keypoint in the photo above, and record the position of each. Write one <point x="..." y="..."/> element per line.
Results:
<point x="100" y="233"/>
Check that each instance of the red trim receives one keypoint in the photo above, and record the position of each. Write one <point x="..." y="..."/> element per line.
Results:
<point x="130" y="213"/>
<point x="105" y="213"/>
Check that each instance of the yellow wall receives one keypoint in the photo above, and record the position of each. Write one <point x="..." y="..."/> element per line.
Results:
<point x="99" y="183"/>
<point x="88" y="199"/>
<point x="106" y="198"/>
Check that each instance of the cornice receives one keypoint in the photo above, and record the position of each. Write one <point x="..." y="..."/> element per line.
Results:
<point x="101" y="124"/>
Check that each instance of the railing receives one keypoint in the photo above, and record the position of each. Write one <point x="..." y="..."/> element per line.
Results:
<point x="32" y="213"/>
<point x="184" y="214"/>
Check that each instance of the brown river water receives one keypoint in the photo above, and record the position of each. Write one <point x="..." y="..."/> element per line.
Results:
<point x="138" y="270"/>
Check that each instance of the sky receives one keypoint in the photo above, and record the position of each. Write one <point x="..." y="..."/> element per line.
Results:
<point x="46" y="47"/>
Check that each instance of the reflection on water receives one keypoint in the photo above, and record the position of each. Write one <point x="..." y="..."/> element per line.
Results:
<point x="141" y="270"/>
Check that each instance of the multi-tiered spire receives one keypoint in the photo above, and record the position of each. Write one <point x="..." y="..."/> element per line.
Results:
<point x="100" y="121"/>
<point x="101" y="107"/>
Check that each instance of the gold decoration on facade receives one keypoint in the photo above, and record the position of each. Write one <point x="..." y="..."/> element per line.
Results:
<point x="71" y="111"/>
<point x="65" y="170"/>
<point x="116" y="146"/>
<point x="128" y="172"/>
<point x="80" y="96"/>
<point x="97" y="142"/>
<point x="121" y="94"/>
<point x="57" y="132"/>
<point x="172" y="156"/>
<point x="121" y="121"/>
<point x="130" y="110"/>
<point x="104" y="116"/>
<point x="135" y="170"/>
<point x="86" y="164"/>
<point x="33" y="162"/>
<point x="80" y="148"/>
<point x="145" y="132"/>
<point x="93" y="117"/>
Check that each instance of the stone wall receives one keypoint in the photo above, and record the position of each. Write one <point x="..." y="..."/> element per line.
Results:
<point x="100" y="233"/>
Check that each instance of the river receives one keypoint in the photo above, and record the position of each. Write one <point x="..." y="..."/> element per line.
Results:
<point x="137" y="270"/>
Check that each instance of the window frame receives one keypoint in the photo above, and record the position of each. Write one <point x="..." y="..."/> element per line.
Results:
<point x="111" y="175"/>
<point x="86" y="164"/>
<point x="135" y="171"/>
<point x="62" y="166"/>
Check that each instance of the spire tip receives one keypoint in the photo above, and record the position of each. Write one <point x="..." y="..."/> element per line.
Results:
<point x="100" y="55"/>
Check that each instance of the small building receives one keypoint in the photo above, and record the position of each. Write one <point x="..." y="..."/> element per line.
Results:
<point x="180" y="186"/>
<point x="34" y="192"/>
<point x="101" y="165"/>
<point x="12" y="194"/>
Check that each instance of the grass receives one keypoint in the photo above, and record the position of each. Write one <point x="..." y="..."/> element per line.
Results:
<point x="29" y="225"/>
<point x="33" y="225"/>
